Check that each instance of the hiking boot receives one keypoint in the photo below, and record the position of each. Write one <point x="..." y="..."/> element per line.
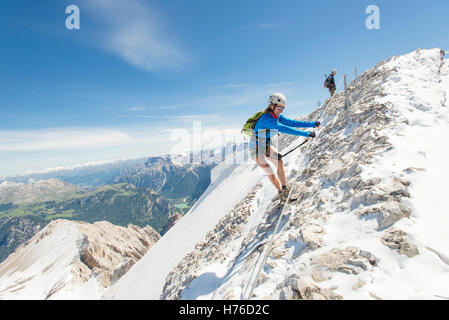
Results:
<point x="283" y="194"/>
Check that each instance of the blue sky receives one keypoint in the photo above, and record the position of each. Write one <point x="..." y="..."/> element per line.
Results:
<point x="136" y="70"/>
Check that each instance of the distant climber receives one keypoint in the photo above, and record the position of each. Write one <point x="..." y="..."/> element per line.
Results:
<point x="268" y="124"/>
<point x="330" y="82"/>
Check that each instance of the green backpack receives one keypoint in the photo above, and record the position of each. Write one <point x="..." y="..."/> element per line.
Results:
<point x="248" y="128"/>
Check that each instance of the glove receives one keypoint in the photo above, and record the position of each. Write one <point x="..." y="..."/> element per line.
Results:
<point x="312" y="134"/>
<point x="317" y="124"/>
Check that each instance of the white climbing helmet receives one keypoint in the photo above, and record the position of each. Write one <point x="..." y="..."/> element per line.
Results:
<point x="278" y="98"/>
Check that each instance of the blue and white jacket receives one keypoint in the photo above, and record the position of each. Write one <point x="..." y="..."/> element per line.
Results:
<point x="281" y="124"/>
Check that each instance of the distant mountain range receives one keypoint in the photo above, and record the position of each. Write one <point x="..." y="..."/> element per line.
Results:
<point x="172" y="181"/>
<point x="37" y="191"/>
<point x="85" y="176"/>
<point x="154" y="192"/>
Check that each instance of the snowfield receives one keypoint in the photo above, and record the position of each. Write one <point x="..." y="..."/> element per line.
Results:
<point x="42" y="267"/>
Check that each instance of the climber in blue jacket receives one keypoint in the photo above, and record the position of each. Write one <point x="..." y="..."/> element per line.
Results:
<point x="269" y="124"/>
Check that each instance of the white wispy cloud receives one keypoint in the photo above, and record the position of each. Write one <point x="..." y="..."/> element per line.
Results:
<point x="60" y="139"/>
<point x="130" y="32"/>
<point x="136" y="108"/>
<point x="24" y="150"/>
<point x="270" y="25"/>
<point x="256" y="85"/>
<point x="229" y="103"/>
<point x="266" y="25"/>
<point x="167" y="107"/>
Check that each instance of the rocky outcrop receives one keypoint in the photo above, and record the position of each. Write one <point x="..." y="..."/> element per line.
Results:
<point x="398" y="240"/>
<point x="311" y="234"/>
<point x="66" y="255"/>
<point x="295" y="288"/>
<point x="109" y="251"/>
<point x="349" y="260"/>
<point x="122" y="268"/>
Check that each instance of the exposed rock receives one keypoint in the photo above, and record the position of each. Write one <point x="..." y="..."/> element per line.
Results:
<point x="386" y="213"/>
<point x="347" y="261"/>
<point x="360" y="283"/>
<point x="312" y="234"/>
<point x="122" y="268"/>
<point x="397" y="240"/>
<point x="320" y="274"/>
<point x="335" y="170"/>
<point x="375" y="297"/>
<point x="103" y="247"/>
<point x="300" y="289"/>
<point x="368" y="255"/>
<point x="100" y="250"/>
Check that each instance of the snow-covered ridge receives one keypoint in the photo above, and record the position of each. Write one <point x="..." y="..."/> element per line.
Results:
<point x="73" y="260"/>
<point x="84" y="165"/>
<point x="371" y="218"/>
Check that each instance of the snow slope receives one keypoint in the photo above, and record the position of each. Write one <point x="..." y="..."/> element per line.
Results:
<point x="72" y="260"/>
<point x="372" y="216"/>
<point x="53" y="254"/>
<point x="229" y="184"/>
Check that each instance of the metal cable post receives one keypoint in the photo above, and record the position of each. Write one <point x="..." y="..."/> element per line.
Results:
<point x="346" y="93"/>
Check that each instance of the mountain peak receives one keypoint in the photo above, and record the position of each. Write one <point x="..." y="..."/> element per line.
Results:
<point x="96" y="255"/>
